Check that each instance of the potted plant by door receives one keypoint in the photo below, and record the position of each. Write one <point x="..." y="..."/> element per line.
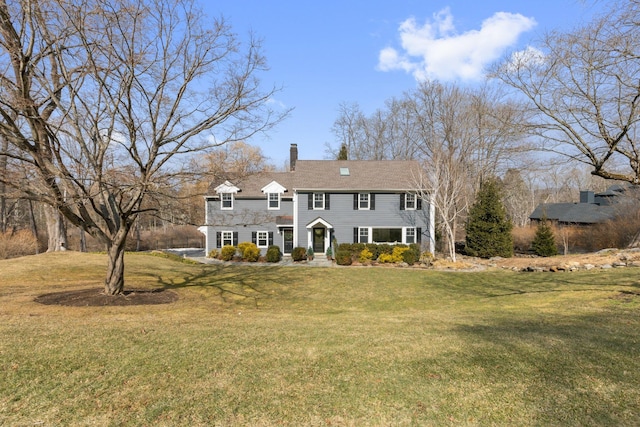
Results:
<point x="329" y="253"/>
<point x="310" y="254"/>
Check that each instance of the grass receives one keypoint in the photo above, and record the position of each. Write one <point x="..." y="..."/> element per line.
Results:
<point x="314" y="346"/>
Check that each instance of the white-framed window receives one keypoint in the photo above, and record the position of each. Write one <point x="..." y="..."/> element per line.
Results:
<point x="410" y="235"/>
<point x="363" y="201"/>
<point x="226" y="201"/>
<point x="227" y="238"/>
<point x="262" y="239"/>
<point x="363" y="235"/>
<point x="318" y="201"/>
<point x="410" y="202"/>
<point x="386" y="235"/>
<point x="274" y="200"/>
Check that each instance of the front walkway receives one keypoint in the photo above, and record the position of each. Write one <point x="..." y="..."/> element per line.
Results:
<point x="198" y="255"/>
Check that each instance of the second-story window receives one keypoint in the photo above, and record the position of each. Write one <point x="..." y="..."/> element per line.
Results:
<point x="226" y="201"/>
<point x="274" y="200"/>
<point x="410" y="202"/>
<point x="318" y="201"/>
<point x="363" y="201"/>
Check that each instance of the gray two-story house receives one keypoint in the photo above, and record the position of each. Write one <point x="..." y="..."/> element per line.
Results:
<point x="319" y="201"/>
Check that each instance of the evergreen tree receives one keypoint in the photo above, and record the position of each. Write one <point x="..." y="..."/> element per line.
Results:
<point x="343" y="154"/>
<point x="544" y="243"/>
<point x="488" y="227"/>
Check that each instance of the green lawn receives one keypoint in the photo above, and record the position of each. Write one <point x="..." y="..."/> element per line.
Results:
<point x="315" y="346"/>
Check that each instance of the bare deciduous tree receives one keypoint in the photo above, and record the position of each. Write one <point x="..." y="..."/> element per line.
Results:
<point x="460" y="135"/>
<point x="98" y="99"/>
<point x="583" y="87"/>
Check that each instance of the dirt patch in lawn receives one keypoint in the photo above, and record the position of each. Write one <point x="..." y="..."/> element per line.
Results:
<point x="97" y="298"/>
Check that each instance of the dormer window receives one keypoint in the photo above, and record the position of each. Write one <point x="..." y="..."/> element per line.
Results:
<point x="226" y="201"/>
<point x="226" y="191"/>
<point x="274" y="192"/>
<point x="274" y="200"/>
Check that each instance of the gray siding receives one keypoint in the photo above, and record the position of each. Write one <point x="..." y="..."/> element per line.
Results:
<point x="343" y="217"/>
<point x="247" y="216"/>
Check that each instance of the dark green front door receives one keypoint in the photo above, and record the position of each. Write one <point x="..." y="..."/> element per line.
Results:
<point x="288" y="240"/>
<point x="318" y="240"/>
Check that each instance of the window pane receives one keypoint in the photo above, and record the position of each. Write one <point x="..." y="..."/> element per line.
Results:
<point x="274" y="200"/>
<point x="387" y="235"/>
<point x="227" y="238"/>
<point x="364" y="235"/>
<point x="411" y="235"/>
<point x="410" y="201"/>
<point x="227" y="200"/>
<point x="263" y="238"/>
<point x="364" y="200"/>
<point x="318" y="200"/>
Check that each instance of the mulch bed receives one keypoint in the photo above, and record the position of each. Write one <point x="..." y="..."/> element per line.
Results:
<point x="97" y="298"/>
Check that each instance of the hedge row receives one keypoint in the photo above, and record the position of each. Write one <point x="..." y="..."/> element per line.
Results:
<point x="383" y="253"/>
<point x="248" y="251"/>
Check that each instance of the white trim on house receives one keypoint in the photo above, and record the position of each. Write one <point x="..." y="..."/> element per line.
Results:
<point x="319" y="221"/>
<point x="273" y="187"/>
<point x="315" y="224"/>
<point x="226" y="187"/>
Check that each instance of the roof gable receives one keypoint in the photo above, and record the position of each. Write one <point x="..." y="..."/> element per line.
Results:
<point x="226" y="187"/>
<point x="273" y="187"/>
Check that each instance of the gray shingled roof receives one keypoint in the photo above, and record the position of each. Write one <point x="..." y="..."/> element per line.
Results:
<point x="615" y="201"/>
<point x="574" y="213"/>
<point x="325" y="175"/>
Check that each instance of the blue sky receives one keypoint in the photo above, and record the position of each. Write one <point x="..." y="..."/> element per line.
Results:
<point x="332" y="52"/>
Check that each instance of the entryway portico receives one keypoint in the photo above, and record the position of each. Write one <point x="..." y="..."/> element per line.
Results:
<point x="319" y="235"/>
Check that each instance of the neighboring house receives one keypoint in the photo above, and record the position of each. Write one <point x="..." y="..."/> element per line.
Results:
<point x="593" y="208"/>
<point x="318" y="201"/>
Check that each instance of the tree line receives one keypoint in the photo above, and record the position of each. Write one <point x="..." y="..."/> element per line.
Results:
<point x="113" y="113"/>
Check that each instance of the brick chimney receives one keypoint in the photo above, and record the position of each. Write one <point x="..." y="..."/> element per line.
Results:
<point x="293" y="156"/>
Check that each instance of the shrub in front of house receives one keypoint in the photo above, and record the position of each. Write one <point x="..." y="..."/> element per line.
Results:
<point x="365" y="256"/>
<point x="385" y="248"/>
<point x="214" y="253"/>
<point x="374" y="249"/>
<point x="227" y="252"/>
<point x="426" y="257"/>
<point x="343" y="257"/>
<point x="249" y="251"/>
<point x="412" y="255"/>
<point x="344" y="247"/>
<point x="298" y="253"/>
<point x="396" y="255"/>
<point x="274" y="254"/>
<point x="356" y="248"/>
<point x="409" y="257"/>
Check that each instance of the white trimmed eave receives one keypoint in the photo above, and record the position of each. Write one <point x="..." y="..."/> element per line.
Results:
<point x="226" y="187"/>
<point x="319" y="221"/>
<point x="273" y="187"/>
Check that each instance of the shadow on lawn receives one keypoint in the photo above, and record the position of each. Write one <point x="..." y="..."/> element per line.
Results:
<point x="566" y="369"/>
<point x="232" y="284"/>
<point x="495" y="286"/>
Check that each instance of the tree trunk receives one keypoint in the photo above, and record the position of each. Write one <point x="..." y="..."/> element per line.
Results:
<point x="56" y="229"/>
<point x="114" y="282"/>
<point x="83" y="241"/>
<point x="3" y="189"/>
<point x="34" y="226"/>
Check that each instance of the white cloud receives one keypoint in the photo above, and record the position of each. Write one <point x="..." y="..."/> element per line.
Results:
<point x="435" y="50"/>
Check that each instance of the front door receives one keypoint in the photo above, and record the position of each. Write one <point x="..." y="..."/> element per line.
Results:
<point x="288" y="240"/>
<point x="318" y="240"/>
